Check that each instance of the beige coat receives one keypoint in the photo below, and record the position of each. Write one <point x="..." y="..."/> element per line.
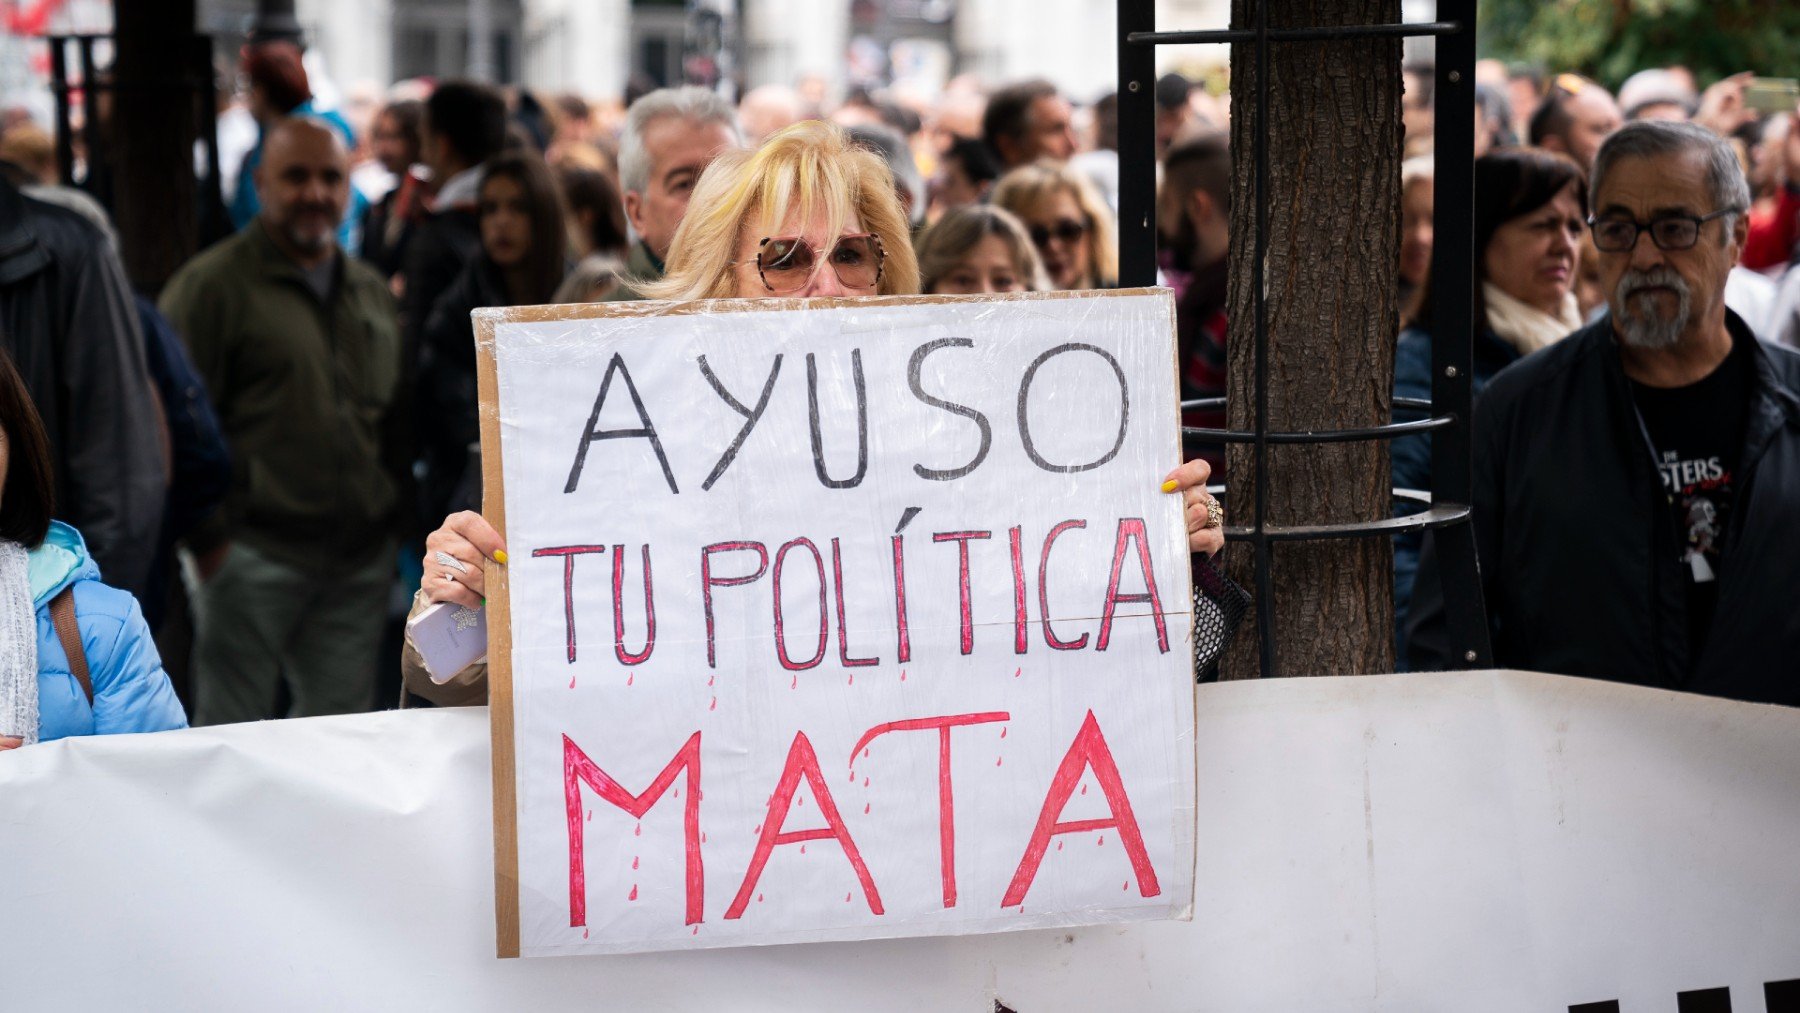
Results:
<point x="467" y="688"/>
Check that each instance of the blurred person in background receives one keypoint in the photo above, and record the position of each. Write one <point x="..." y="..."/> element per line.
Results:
<point x="671" y="135"/>
<point x="1493" y="120"/>
<point x="78" y="658"/>
<point x="1417" y="120"/>
<point x="1026" y="122"/>
<point x="522" y="260"/>
<point x="1194" y="212"/>
<point x="464" y="125"/>
<point x="394" y="141"/>
<point x="1069" y="224"/>
<point x="1417" y="189"/>
<point x="1530" y="206"/>
<point x="1100" y="164"/>
<point x="768" y="109"/>
<point x="299" y="346"/>
<point x="278" y="88"/>
<point x="909" y="186"/>
<point x="966" y="175"/>
<point x="1574" y="117"/>
<point x="1525" y="84"/>
<point x="978" y="250"/>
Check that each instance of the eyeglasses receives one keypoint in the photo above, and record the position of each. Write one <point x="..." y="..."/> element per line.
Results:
<point x="786" y="263"/>
<point x="1068" y="230"/>
<point x="1670" y="232"/>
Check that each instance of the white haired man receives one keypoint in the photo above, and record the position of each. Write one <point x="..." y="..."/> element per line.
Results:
<point x="671" y="135"/>
<point x="1635" y="484"/>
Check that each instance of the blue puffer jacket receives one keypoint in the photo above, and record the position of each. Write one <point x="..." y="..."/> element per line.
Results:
<point x="131" y="691"/>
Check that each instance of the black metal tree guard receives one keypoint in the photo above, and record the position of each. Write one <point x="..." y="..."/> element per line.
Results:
<point x="1447" y="511"/>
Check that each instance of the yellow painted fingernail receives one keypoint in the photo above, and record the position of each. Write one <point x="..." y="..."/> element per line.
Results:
<point x="500" y="556"/>
<point x="1169" y="486"/>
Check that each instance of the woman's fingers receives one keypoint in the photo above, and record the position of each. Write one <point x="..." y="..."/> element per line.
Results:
<point x="456" y="556"/>
<point x="474" y="529"/>
<point x="1206" y="541"/>
<point x="1191" y="475"/>
<point x="10" y="742"/>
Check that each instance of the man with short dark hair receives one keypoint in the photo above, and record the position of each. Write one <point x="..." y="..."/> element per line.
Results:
<point x="464" y="126"/>
<point x="671" y="135"/>
<point x="1636" y="484"/>
<point x="1194" y="214"/>
<point x="1574" y="118"/>
<point x="298" y="345"/>
<point x="1028" y="121"/>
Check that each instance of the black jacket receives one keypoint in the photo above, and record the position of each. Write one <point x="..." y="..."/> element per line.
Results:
<point x="68" y="320"/>
<point x="1577" y="543"/>
<point x="448" y="401"/>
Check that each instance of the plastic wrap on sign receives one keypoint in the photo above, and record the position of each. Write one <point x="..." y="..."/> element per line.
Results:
<point x="836" y="619"/>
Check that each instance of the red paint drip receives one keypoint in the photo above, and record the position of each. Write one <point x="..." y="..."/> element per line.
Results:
<point x="852" y="678"/>
<point x="714" y="705"/>
<point x="630" y="678"/>
<point x="1059" y="845"/>
<point x="865" y="808"/>
<point x="1084" y="789"/>
<point x="852" y="775"/>
<point x="758" y="829"/>
<point x="571" y="682"/>
<point x="903" y="675"/>
<point x="702" y="837"/>
<point x="865" y="752"/>
<point x="803" y="849"/>
<point x="590" y="815"/>
<point x="865" y="782"/>
<point x="997" y="760"/>
<point x="1102" y="842"/>
<point x="796" y="683"/>
<point x="696" y="930"/>
<point x="1003" y="731"/>
<point x="584" y="933"/>
<point x="846" y="898"/>
<point x="1127" y="885"/>
<point x="634" y="863"/>
<point x="711" y="679"/>
<point x="633" y="892"/>
<point x="639" y="832"/>
<point x="1016" y="672"/>
<point x="759" y="898"/>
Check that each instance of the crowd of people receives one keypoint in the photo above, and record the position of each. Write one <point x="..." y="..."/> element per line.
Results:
<point x="287" y="439"/>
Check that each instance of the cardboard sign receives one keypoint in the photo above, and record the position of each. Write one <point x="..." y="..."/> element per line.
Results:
<point x="862" y="619"/>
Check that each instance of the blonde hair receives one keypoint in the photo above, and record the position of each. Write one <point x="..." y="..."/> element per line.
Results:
<point x="809" y="166"/>
<point x="944" y="245"/>
<point x="1028" y="186"/>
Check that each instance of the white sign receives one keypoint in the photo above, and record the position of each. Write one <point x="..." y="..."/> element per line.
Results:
<point x="855" y="621"/>
<point x="1480" y="842"/>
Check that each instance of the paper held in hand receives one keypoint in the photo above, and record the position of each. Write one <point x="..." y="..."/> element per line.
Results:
<point x="869" y="619"/>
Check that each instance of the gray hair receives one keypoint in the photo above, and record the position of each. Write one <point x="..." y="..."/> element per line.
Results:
<point x="1657" y="138"/>
<point x="692" y="103"/>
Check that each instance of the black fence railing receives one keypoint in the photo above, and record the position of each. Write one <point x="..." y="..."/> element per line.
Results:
<point x="1446" y="503"/>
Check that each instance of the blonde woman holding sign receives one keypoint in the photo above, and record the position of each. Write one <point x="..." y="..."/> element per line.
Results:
<point x="807" y="215"/>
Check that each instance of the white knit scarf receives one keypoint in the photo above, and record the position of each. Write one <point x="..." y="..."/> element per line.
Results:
<point x="18" y="647"/>
<point x="1526" y="327"/>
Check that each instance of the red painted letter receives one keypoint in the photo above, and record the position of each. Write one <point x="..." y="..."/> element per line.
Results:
<point x="1132" y="529"/>
<point x="946" y="798"/>
<point x="568" y="553"/>
<point x="837" y="577"/>
<point x="626" y="657"/>
<point x="962" y="539"/>
<point x="801" y="762"/>
<point x="1044" y="589"/>
<point x="579" y="770"/>
<point x="780" y="629"/>
<point x="708" y="581"/>
<point x="1088" y="752"/>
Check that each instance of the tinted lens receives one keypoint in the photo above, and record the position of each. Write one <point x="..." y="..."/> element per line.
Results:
<point x="1068" y="230"/>
<point x="785" y="263"/>
<point x="857" y="260"/>
<point x="1615" y="235"/>
<point x="1675" y="233"/>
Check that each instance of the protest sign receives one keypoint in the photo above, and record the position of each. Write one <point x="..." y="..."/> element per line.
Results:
<point x="866" y="619"/>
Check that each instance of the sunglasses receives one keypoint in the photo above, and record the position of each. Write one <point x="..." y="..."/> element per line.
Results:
<point x="1068" y="230"/>
<point x="786" y="263"/>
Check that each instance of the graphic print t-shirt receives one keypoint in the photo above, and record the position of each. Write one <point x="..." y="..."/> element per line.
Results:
<point x="1698" y="434"/>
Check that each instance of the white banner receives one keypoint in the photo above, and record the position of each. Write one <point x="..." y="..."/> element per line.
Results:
<point x="1476" y="842"/>
<point x="846" y="622"/>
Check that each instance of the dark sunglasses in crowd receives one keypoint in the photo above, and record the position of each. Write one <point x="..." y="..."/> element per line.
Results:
<point x="1068" y="230"/>
<point x="785" y="263"/>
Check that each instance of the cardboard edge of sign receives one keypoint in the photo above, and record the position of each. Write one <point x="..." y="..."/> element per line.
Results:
<point x="493" y="500"/>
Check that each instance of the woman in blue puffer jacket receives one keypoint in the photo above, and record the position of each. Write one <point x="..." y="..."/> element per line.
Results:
<point x="45" y="570"/>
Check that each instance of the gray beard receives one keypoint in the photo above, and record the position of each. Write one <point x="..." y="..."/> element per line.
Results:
<point x="1646" y="330"/>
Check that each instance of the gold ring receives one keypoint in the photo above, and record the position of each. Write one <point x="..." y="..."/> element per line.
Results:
<point x="1215" y="514"/>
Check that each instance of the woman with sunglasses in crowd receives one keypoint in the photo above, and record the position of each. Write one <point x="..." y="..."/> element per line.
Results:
<point x="979" y="250"/>
<point x="806" y="215"/>
<point x="1068" y="222"/>
<point x="522" y="260"/>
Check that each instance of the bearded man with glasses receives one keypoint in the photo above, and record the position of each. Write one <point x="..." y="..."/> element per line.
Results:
<point x="1637" y="484"/>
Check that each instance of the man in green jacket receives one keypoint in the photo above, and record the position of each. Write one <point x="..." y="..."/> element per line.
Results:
<point x="299" y="347"/>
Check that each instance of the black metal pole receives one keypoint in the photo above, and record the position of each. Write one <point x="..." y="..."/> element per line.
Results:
<point x="1453" y="328"/>
<point x="1137" y="146"/>
<point x="59" y="87"/>
<point x="1259" y="195"/>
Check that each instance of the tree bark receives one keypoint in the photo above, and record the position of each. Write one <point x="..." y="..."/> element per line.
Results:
<point x="152" y="128"/>
<point x="1333" y="198"/>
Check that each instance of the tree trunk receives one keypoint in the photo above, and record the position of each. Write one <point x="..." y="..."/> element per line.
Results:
<point x="151" y="129"/>
<point x="1333" y="198"/>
